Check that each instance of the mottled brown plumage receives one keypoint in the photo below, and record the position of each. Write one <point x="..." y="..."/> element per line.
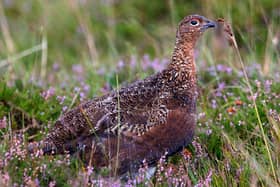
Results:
<point x="141" y="121"/>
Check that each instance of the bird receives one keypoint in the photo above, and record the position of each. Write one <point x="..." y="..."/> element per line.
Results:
<point x="141" y="121"/>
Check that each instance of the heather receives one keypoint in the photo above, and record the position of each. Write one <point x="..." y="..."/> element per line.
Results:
<point x="55" y="55"/>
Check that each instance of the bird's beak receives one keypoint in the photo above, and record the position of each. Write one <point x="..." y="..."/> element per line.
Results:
<point x="209" y="24"/>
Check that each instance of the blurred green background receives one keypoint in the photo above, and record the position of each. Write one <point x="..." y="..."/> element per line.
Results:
<point x="100" y="32"/>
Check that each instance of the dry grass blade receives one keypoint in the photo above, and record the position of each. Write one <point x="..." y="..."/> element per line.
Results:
<point x="84" y="23"/>
<point x="225" y="27"/>
<point x="20" y="55"/>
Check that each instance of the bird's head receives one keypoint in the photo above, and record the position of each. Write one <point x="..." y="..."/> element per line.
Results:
<point x="191" y="27"/>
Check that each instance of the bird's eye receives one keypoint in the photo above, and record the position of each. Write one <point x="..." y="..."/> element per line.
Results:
<point x="194" y="22"/>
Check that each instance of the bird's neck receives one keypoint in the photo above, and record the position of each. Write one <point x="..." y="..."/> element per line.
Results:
<point x="182" y="64"/>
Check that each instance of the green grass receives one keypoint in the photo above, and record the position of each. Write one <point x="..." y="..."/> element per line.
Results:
<point x="64" y="49"/>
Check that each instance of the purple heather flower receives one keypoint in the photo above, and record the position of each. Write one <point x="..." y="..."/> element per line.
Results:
<point x="214" y="103"/>
<point x="78" y="69"/>
<point x="115" y="184"/>
<point x="64" y="108"/>
<point x="133" y="62"/>
<point x="60" y="99"/>
<point x="89" y="170"/>
<point x="207" y="181"/>
<point x="145" y="62"/>
<point x="156" y="65"/>
<point x="253" y="68"/>
<point x="56" y="67"/>
<point x="212" y="71"/>
<point x="267" y="85"/>
<point x="201" y="115"/>
<point x="130" y="183"/>
<point x="48" y="93"/>
<point x="239" y="172"/>
<point x="77" y="89"/>
<point x="198" y="148"/>
<point x="224" y="68"/>
<point x="37" y="182"/>
<point x="85" y="87"/>
<point x="240" y="73"/>
<point x="229" y="70"/>
<point x="52" y="184"/>
<point x="220" y="88"/>
<point x="82" y="96"/>
<point x="253" y="97"/>
<point x="258" y="83"/>
<point x="208" y="132"/>
<point x="220" y="67"/>
<point x="165" y="61"/>
<point x="101" y="71"/>
<point x="120" y="65"/>
<point x="3" y="122"/>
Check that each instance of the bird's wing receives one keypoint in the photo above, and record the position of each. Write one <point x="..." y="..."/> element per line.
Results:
<point x="130" y="117"/>
<point x="140" y="123"/>
<point x="132" y="109"/>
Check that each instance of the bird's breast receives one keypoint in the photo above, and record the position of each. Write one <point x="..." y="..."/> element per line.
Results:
<point x="175" y="133"/>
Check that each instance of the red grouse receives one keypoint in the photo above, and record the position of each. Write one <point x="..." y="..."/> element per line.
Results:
<point x="143" y="120"/>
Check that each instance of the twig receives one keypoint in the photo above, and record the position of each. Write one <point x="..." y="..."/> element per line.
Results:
<point x="232" y="41"/>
